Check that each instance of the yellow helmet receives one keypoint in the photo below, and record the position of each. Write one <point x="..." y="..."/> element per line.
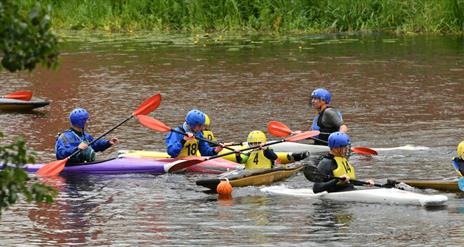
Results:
<point x="460" y="150"/>
<point x="207" y="120"/>
<point x="256" y="136"/>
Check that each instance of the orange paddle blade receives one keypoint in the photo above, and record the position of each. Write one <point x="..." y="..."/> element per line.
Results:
<point x="302" y="136"/>
<point x="363" y="150"/>
<point x="153" y="124"/>
<point x="278" y="129"/>
<point x="53" y="168"/>
<point x="148" y="105"/>
<point x="21" y="95"/>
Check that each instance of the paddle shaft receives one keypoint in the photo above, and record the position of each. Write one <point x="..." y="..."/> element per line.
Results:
<point x="246" y="149"/>
<point x="103" y="135"/>
<point x="203" y="139"/>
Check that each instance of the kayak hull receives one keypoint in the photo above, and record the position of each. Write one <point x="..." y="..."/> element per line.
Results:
<point x="390" y="196"/>
<point x="21" y="105"/>
<point x="139" y="165"/>
<point x="243" y="178"/>
<point x="436" y="184"/>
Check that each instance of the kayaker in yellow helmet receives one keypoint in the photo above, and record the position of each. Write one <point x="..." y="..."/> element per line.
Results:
<point x="335" y="164"/>
<point x="458" y="162"/>
<point x="207" y="133"/>
<point x="262" y="158"/>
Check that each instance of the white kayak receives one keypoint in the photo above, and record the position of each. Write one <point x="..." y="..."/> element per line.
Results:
<point x="375" y="195"/>
<point x="299" y="147"/>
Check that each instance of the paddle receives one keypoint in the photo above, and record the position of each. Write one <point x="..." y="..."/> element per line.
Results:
<point x="279" y="129"/>
<point x="314" y="175"/>
<point x="55" y="167"/>
<point x="21" y="95"/>
<point x="157" y="125"/>
<point x="151" y="122"/>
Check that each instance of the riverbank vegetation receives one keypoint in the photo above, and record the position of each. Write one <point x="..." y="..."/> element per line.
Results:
<point x="283" y="16"/>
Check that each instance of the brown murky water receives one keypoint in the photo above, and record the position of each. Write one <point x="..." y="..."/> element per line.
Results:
<point x="393" y="91"/>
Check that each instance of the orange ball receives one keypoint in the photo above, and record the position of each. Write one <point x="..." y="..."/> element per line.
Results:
<point x="224" y="188"/>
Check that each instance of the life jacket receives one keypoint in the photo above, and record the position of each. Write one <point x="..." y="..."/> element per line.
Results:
<point x="458" y="165"/>
<point x="209" y="135"/>
<point x="325" y="130"/>
<point x="343" y="167"/>
<point x="190" y="148"/>
<point x="257" y="160"/>
<point x="83" y="156"/>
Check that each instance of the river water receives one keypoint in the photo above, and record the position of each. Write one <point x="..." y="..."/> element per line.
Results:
<point x="393" y="91"/>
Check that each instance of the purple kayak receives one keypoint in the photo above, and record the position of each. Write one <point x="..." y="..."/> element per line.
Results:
<point x="111" y="166"/>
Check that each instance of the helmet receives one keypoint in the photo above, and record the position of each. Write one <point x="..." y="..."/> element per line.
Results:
<point x="194" y="118"/>
<point x="460" y="150"/>
<point x="78" y="117"/>
<point x="256" y="136"/>
<point x="338" y="139"/>
<point x="323" y="94"/>
<point x="207" y="120"/>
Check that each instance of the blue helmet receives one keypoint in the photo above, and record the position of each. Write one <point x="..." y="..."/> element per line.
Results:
<point x="195" y="117"/>
<point x="78" y="117"/>
<point x="322" y="94"/>
<point x="339" y="139"/>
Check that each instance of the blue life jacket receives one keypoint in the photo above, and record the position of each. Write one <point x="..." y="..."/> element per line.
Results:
<point x="175" y="142"/>
<point x="68" y="141"/>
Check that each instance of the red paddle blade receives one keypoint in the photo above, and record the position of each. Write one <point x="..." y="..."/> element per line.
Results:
<point x="302" y="136"/>
<point x="21" y="95"/>
<point x="363" y="150"/>
<point x="148" y="105"/>
<point x="153" y="124"/>
<point x="53" y="168"/>
<point x="179" y="165"/>
<point x="278" y="129"/>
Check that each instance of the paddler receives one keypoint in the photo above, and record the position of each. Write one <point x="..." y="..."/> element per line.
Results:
<point x="335" y="164"/>
<point x="458" y="162"/>
<point x="179" y="145"/>
<point x="207" y="133"/>
<point x="328" y="119"/>
<point x="76" y="138"/>
<point x="260" y="158"/>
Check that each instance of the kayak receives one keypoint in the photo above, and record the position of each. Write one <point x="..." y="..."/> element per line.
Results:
<point x="283" y="151"/>
<point x="242" y="178"/>
<point x="15" y="104"/>
<point x="139" y="165"/>
<point x="450" y="185"/>
<point x="374" y="195"/>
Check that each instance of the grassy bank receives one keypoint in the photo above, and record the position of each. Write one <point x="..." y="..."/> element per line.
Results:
<point x="285" y="16"/>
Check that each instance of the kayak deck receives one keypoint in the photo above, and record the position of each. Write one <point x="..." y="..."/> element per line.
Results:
<point x="389" y="196"/>
<point x="436" y="184"/>
<point x="18" y="105"/>
<point x="242" y="178"/>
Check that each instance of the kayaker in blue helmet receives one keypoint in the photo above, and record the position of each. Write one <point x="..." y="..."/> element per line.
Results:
<point x="328" y="119"/>
<point x="335" y="164"/>
<point x="458" y="162"/>
<point x="180" y="146"/>
<point x="76" y="138"/>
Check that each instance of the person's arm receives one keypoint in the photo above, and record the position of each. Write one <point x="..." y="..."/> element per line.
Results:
<point x="270" y="154"/>
<point x="174" y="143"/>
<point x="205" y="149"/>
<point x="64" y="148"/>
<point x="325" y="167"/>
<point x="98" y="146"/>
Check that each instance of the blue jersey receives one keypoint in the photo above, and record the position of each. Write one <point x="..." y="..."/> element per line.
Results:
<point x="68" y="141"/>
<point x="175" y="143"/>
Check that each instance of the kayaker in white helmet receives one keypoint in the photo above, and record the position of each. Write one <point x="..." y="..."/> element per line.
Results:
<point x="335" y="164"/>
<point x="328" y="119"/>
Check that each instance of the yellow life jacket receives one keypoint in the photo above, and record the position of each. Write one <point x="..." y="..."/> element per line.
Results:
<point x="209" y="135"/>
<point x="257" y="160"/>
<point x="343" y="167"/>
<point x="190" y="148"/>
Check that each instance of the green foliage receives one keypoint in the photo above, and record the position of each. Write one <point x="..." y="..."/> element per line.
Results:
<point x="14" y="181"/>
<point x="259" y="15"/>
<point x="26" y="37"/>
